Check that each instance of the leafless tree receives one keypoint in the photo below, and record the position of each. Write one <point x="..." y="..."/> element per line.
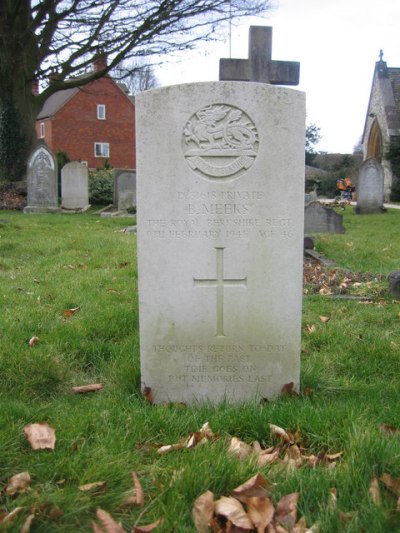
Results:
<point x="39" y="36"/>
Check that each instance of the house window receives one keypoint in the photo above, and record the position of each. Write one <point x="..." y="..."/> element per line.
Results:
<point x="42" y="130"/>
<point x="101" y="111"/>
<point x="101" y="150"/>
<point x="84" y="163"/>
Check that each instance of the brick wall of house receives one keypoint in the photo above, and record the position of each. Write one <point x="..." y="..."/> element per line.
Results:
<point x="75" y="128"/>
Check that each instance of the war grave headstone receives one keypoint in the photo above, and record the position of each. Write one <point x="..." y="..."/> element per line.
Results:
<point x="74" y="187"/>
<point x="370" y="191"/>
<point x="124" y="189"/>
<point x="321" y="219"/>
<point x="42" y="181"/>
<point x="220" y="249"/>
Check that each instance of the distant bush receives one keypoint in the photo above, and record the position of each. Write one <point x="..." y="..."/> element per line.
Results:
<point x="101" y="187"/>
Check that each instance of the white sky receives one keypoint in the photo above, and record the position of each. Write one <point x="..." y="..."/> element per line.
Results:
<point x="337" y="43"/>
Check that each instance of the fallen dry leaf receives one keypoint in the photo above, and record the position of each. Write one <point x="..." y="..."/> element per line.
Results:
<point x="279" y="432"/>
<point x="26" y="526"/>
<point x="147" y="394"/>
<point x="374" y="491"/>
<point x="40" y="436"/>
<point x="93" y="387"/>
<point x="389" y="429"/>
<point x="9" y="517"/>
<point x="391" y="483"/>
<point x="146" y="529"/>
<point x="95" y="487"/>
<point x="256" y="486"/>
<point x="70" y="312"/>
<point x="108" y="524"/>
<point x="310" y="328"/>
<point x="33" y="341"/>
<point x="239" y="448"/>
<point x="260" y="511"/>
<point x="18" y="483"/>
<point x="286" y="510"/>
<point x="232" y="510"/>
<point x="203" y="511"/>
<point x="139" y="494"/>
<point x="267" y="458"/>
<point x="332" y="502"/>
<point x="289" y="390"/>
<point x="170" y="448"/>
<point x="324" y="319"/>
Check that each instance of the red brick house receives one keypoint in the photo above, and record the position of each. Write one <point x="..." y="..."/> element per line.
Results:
<point x="93" y="124"/>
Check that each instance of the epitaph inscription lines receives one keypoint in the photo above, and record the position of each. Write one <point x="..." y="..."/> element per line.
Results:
<point x="220" y="282"/>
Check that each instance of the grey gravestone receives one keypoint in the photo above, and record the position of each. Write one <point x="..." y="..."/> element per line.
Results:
<point x="220" y="249"/>
<point x="321" y="219"/>
<point x="259" y="66"/>
<point x="124" y="189"/>
<point x="394" y="283"/>
<point x="370" y="192"/>
<point x="42" y="182"/>
<point x="74" y="186"/>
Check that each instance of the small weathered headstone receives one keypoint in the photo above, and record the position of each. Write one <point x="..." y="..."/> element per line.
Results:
<point x="124" y="189"/>
<point x="321" y="219"/>
<point x="74" y="186"/>
<point x="42" y="182"/>
<point x="370" y="190"/>
<point x="220" y="248"/>
<point x="394" y="283"/>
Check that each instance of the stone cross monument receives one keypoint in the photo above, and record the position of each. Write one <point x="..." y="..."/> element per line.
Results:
<point x="259" y="67"/>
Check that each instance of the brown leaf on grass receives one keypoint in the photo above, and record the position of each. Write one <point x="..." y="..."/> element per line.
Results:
<point x="374" y="491"/>
<point x="203" y="511"/>
<point x="232" y="510"/>
<point x="293" y="456"/>
<point x="94" y="487"/>
<point x="147" y="394"/>
<point x="332" y="501"/>
<point x="267" y="458"/>
<point x="93" y="387"/>
<point x="389" y="430"/>
<point x="70" y="312"/>
<point x="9" y="517"/>
<point x="310" y="328"/>
<point x="26" y="526"/>
<point x="33" y="341"/>
<point x="256" y="486"/>
<point x="108" y="524"/>
<point x="146" y="529"/>
<point x="391" y="483"/>
<point x="123" y="265"/>
<point x="279" y="432"/>
<point x="324" y="319"/>
<point x="286" y="510"/>
<point x="289" y="390"/>
<point x="239" y="448"/>
<point x="260" y="511"/>
<point x="346" y="517"/>
<point x="40" y="436"/>
<point x="139" y="494"/>
<point x="55" y="512"/>
<point x="170" y="448"/>
<point x="18" y="483"/>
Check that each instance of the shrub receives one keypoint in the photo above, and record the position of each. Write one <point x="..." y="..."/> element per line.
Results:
<point x="101" y="187"/>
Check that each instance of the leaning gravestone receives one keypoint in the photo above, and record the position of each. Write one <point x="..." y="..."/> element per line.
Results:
<point x="74" y="186"/>
<point x="220" y="248"/>
<point x="124" y="189"/>
<point x="42" y="182"/>
<point x="370" y="191"/>
<point x="321" y="219"/>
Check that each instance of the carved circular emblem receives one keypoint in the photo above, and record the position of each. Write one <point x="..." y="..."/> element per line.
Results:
<point x="220" y="142"/>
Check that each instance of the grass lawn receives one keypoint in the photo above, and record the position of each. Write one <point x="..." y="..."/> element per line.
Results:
<point x="50" y="264"/>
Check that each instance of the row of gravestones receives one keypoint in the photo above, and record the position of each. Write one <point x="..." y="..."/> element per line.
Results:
<point x="42" y="185"/>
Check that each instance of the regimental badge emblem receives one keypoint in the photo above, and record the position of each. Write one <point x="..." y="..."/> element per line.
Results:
<point x="220" y="142"/>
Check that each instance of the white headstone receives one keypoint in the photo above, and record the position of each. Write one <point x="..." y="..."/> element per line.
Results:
<point x="74" y="186"/>
<point x="42" y="183"/>
<point x="370" y="190"/>
<point x="220" y="239"/>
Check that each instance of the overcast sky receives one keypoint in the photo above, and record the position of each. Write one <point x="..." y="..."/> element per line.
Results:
<point x="337" y="43"/>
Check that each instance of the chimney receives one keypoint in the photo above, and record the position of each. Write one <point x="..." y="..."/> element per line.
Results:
<point x="99" y="61"/>
<point x="35" y="87"/>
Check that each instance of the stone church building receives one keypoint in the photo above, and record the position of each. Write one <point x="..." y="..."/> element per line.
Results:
<point x="382" y="124"/>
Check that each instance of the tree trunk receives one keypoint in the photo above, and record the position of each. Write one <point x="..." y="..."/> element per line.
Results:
<point x="18" y="106"/>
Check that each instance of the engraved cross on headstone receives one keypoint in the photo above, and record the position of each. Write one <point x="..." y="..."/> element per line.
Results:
<point x="259" y="67"/>
<point x="219" y="282"/>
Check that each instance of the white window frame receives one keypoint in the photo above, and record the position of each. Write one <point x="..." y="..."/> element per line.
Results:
<point x="101" y="149"/>
<point x="101" y="111"/>
<point x="42" y="130"/>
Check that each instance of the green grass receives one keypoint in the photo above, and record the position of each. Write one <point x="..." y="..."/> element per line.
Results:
<point x="52" y="263"/>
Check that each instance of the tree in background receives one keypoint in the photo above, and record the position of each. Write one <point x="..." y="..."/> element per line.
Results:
<point x="138" y="76"/>
<point x="313" y="137"/>
<point x="57" y="39"/>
